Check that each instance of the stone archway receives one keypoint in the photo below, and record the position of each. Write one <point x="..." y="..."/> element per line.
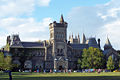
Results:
<point x="28" y="64"/>
<point x="61" y="67"/>
<point x="61" y="63"/>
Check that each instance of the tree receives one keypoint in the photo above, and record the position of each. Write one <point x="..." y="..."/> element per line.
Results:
<point x="7" y="47"/>
<point x="5" y="62"/>
<point x="110" y="63"/>
<point x="92" y="58"/>
<point x="8" y="65"/>
<point x="1" y="61"/>
<point x="79" y="63"/>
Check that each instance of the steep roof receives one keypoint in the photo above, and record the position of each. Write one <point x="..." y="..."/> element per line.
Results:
<point x="61" y="19"/>
<point x="92" y="42"/>
<point x="107" y="44"/>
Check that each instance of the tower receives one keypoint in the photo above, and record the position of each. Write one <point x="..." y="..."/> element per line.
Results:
<point x="58" y="39"/>
<point x="78" y="39"/>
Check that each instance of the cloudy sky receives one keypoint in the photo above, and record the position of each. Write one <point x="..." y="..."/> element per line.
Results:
<point x="30" y="18"/>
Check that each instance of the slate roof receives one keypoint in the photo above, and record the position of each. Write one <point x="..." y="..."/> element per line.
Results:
<point x="79" y="46"/>
<point x="92" y="42"/>
<point x="29" y="45"/>
<point x="109" y="52"/>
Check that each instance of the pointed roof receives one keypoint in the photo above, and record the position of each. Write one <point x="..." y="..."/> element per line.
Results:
<point x="69" y="37"/>
<point x="75" y="37"/>
<point x="61" y="19"/>
<point x="72" y="35"/>
<point x="108" y="42"/>
<point x="78" y="35"/>
<point x="83" y="39"/>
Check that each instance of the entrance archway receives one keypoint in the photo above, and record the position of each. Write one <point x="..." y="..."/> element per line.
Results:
<point x="60" y="68"/>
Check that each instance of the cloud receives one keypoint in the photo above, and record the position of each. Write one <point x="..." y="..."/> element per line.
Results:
<point x="28" y="28"/>
<point x="100" y="21"/>
<point x="20" y="7"/>
<point x="16" y="7"/>
<point x="43" y="2"/>
<point x="112" y="31"/>
<point x="12" y="20"/>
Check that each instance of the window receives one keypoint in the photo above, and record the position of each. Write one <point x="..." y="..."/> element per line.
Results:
<point x="57" y="50"/>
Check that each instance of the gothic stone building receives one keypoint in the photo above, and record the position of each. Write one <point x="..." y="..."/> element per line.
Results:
<point x="56" y="53"/>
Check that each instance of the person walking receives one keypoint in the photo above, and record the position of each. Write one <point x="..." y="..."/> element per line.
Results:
<point x="10" y="75"/>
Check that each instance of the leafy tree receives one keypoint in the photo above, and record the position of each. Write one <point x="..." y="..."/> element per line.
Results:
<point x="79" y="63"/>
<point x="92" y="58"/>
<point x="1" y="61"/>
<point x="85" y="63"/>
<point x="5" y="62"/>
<point x="110" y="63"/>
<point x="7" y="47"/>
<point x="8" y="65"/>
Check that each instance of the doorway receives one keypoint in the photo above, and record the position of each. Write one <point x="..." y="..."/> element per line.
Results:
<point x="60" y="68"/>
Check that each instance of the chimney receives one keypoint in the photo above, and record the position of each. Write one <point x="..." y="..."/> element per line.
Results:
<point x="99" y="43"/>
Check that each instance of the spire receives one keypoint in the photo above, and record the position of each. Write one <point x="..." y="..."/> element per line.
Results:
<point x="78" y="35"/>
<point x="78" y="39"/>
<point x="83" y="39"/>
<point x="75" y="37"/>
<point x="72" y="35"/>
<point x="69" y="37"/>
<point x="61" y="19"/>
<point x="108" y="42"/>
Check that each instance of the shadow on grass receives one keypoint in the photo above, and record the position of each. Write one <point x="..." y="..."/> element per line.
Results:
<point x="68" y="78"/>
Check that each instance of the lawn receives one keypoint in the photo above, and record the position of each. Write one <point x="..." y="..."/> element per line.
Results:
<point x="63" y="76"/>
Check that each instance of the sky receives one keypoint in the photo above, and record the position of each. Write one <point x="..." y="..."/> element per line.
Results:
<point x="31" y="18"/>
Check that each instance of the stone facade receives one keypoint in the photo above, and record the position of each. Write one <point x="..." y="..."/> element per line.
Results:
<point x="55" y="53"/>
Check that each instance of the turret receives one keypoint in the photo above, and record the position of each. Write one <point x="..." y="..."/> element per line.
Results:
<point x="78" y="39"/>
<point x="74" y="40"/>
<point x="72" y="35"/>
<point x="83" y="39"/>
<point x="8" y="40"/>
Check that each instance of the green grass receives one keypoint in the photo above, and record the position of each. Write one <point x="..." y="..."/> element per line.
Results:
<point x="62" y="76"/>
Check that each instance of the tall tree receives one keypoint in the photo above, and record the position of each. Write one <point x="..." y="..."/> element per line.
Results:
<point x="92" y="58"/>
<point x="110" y="63"/>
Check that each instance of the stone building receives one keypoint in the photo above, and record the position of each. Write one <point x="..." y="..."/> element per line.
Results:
<point x="55" y="53"/>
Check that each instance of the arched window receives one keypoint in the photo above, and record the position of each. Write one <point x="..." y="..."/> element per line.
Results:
<point x="57" y="50"/>
<point x="61" y="51"/>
